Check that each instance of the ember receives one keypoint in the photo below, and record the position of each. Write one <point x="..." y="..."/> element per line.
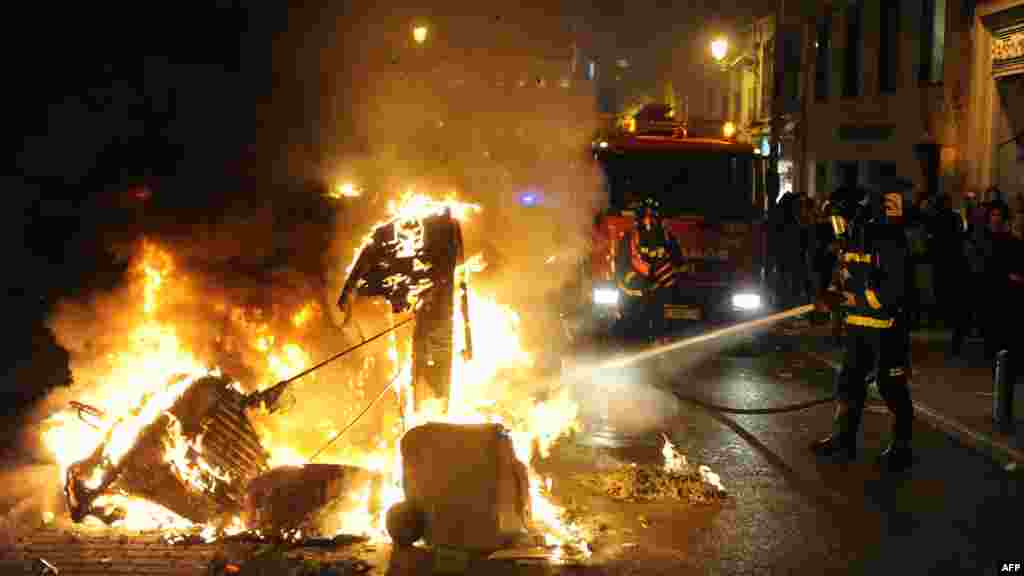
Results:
<point x="675" y="480"/>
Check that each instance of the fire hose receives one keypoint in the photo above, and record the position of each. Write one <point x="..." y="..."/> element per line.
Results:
<point x="774" y="410"/>
<point x="714" y="334"/>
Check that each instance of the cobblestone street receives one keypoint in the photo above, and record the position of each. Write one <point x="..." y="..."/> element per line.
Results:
<point x="81" y="553"/>
<point x="88" y="553"/>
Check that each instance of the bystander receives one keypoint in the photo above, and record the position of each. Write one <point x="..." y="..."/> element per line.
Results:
<point x="1003" y="282"/>
<point x="945" y="251"/>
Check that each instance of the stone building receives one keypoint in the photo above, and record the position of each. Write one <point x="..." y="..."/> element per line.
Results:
<point x="931" y="90"/>
<point x="884" y="94"/>
<point x="993" y="129"/>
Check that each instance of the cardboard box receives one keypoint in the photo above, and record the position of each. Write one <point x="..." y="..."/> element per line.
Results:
<point x="473" y="492"/>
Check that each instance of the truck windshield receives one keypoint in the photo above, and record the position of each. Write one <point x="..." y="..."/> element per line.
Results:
<point x="708" y="184"/>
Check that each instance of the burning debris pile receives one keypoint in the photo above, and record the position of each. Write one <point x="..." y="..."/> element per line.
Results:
<point x="189" y="448"/>
<point x="676" y="479"/>
<point x="166" y="442"/>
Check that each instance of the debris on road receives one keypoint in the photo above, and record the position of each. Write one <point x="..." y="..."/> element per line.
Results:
<point x="675" y="480"/>
<point x="278" y="560"/>
<point x="307" y="498"/>
<point x="43" y="568"/>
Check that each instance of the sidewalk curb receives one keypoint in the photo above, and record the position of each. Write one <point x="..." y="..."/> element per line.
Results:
<point x="977" y="440"/>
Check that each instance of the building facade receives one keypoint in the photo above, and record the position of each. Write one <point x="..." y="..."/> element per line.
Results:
<point x="884" y="95"/>
<point x="993" y="130"/>
<point x="739" y="91"/>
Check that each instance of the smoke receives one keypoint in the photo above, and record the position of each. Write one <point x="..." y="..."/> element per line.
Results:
<point x="30" y="491"/>
<point x="490" y="106"/>
<point x="637" y="396"/>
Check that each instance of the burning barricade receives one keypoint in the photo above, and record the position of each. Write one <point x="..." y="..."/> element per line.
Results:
<point x="189" y="448"/>
<point x="202" y="459"/>
<point x="454" y="474"/>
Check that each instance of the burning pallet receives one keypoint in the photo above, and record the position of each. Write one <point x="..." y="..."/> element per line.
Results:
<point x="196" y="458"/>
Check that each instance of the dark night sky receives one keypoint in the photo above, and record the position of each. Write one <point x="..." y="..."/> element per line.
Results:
<point x="113" y="95"/>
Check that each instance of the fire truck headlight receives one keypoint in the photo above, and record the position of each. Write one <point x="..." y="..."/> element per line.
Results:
<point x="746" y="301"/>
<point x="606" y="297"/>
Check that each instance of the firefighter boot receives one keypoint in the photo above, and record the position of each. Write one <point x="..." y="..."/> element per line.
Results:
<point x="836" y="446"/>
<point x="898" y="457"/>
<point x="842" y="443"/>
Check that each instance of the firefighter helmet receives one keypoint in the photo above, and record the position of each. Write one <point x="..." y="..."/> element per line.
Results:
<point x="650" y="204"/>
<point x="845" y="208"/>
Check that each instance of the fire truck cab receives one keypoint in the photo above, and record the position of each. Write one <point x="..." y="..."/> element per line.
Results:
<point x="712" y="203"/>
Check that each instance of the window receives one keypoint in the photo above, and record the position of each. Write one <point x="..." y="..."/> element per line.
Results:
<point x="823" y="63"/>
<point x="847" y="173"/>
<point x="768" y="76"/>
<point x="881" y="172"/>
<point x="889" y="46"/>
<point x="821" y="184"/>
<point x="933" y="40"/>
<point x="854" y="46"/>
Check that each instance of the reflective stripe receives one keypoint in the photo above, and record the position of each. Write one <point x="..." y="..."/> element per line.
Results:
<point x="872" y="299"/>
<point x="634" y="248"/>
<point x="856" y="257"/>
<point x="629" y="291"/>
<point x="869" y="322"/>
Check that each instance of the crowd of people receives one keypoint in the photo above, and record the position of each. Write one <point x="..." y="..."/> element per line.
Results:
<point x="966" y="266"/>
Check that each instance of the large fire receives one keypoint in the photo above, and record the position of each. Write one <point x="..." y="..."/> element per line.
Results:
<point x="133" y="390"/>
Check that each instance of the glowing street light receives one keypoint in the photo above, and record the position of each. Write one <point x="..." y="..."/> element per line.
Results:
<point x="419" y="34"/>
<point x="728" y="130"/>
<point x="719" y="49"/>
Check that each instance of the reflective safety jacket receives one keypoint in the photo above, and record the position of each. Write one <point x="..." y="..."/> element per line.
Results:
<point x="652" y="255"/>
<point x="872" y="269"/>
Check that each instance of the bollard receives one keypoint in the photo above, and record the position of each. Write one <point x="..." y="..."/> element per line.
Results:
<point x="1002" y="391"/>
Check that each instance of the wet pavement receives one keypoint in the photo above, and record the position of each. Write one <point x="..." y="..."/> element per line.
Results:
<point x="787" y="512"/>
<point x="945" y="515"/>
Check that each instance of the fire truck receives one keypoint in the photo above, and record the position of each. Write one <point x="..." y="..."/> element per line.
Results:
<point x="712" y="195"/>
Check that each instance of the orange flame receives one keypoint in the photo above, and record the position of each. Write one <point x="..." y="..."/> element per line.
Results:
<point x="484" y="388"/>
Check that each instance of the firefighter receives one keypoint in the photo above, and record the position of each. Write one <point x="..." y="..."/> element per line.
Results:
<point x="871" y="295"/>
<point x="650" y="273"/>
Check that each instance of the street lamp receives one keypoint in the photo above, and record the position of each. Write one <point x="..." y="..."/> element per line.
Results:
<point x="419" y="34"/>
<point x="719" y="49"/>
<point x="729" y="130"/>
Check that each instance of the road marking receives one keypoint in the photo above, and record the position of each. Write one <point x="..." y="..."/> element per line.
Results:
<point x="950" y="426"/>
